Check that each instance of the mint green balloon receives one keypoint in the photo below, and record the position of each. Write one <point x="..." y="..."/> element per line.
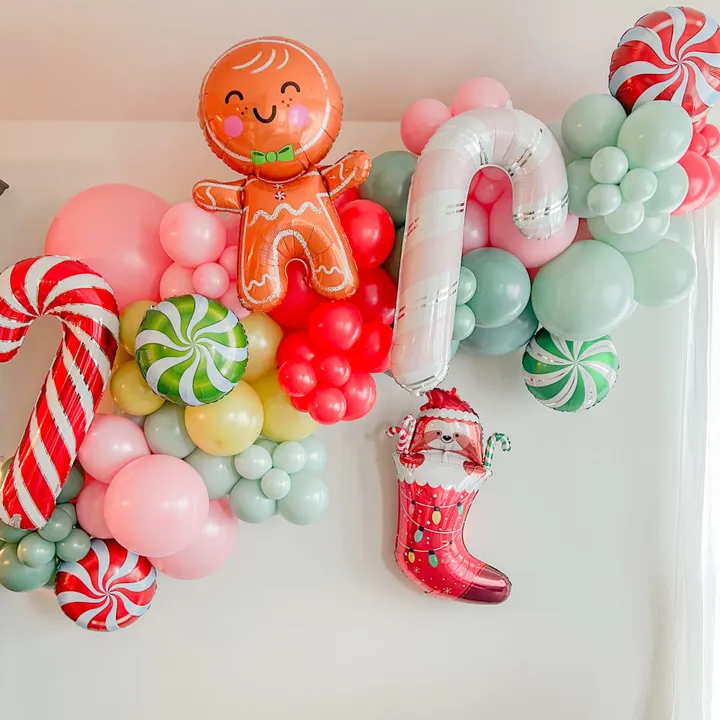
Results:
<point x="604" y="199"/>
<point x="269" y="445"/>
<point x="73" y="485"/>
<point x="69" y="508"/>
<point x="503" y="340"/>
<point x="639" y="185"/>
<point x="389" y="182"/>
<point x="249" y="503"/>
<point x="58" y="527"/>
<point x="681" y="230"/>
<point x="392" y="264"/>
<point x="454" y="347"/>
<point x="585" y="292"/>
<point x="464" y="322"/>
<point x="275" y="484"/>
<point x="672" y="187"/>
<point x="609" y="165"/>
<point x="255" y="461"/>
<point x="580" y="182"/>
<point x="503" y="286"/>
<point x="626" y="218"/>
<point x="74" y="547"/>
<point x="591" y="123"/>
<point x="467" y="285"/>
<point x="10" y="534"/>
<point x="649" y="233"/>
<point x="315" y="453"/>
<point x="289" y="456"/>
<point x="165" y="432"/>
<point x="568" y="155"/>
<point x="34" y="552"/>
<point x="664" y="274"/>
<point x="17" y="577"/>
<point x="655" y="135"/>
<point x="307" y="500"/>
<point x="218" y="473"/>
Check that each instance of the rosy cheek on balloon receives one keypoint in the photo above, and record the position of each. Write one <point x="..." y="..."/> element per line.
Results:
<point x="233" y="126"/>
<point x="299" y="116"/>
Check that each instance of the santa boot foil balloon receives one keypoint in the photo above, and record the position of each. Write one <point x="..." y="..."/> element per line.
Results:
<point x="441" y="463"/>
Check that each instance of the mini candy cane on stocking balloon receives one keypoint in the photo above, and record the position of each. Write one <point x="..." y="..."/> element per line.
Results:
<point x="85" y="305"/>
<point x="432" y="247"/>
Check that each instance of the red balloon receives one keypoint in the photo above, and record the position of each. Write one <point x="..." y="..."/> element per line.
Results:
<point x="332" y="370"/>
<point x="347" y="197"/>
<point x="711" y="133"/>
<point x="297" y="378"/>
<point x="299" y="403"/>
<point x="327" y="405"/>
<point x="299" y="301"/>
<point x="698" y="144"/>
<point x="714" y="189"/>
<point x="698" y="172"/>
<point x="376" y="296"/>
<point x="296" y="346"/>
<point x="371" y="353"/>
<point x="335" y="325"/>
<point x="360" y="393"/>
<point x="370" y="231"/>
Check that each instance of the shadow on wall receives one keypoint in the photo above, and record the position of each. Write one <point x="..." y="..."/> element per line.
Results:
<point x="3" y="187"/>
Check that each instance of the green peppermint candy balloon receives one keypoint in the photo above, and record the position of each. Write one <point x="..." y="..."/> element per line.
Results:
<point x="191" y="350"/>
<point x="569" y="376"/>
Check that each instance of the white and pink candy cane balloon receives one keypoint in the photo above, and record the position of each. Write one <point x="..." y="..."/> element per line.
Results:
<point x="526" y="150"/>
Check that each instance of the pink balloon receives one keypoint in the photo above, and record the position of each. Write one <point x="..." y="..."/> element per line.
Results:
<point x="115" y="230"/>
<point x="229" y="260"/>
<point x="156" y="506"/>
<point x="112" y="442"/>
<point x="231" y="301"/>
<point x="420" y="122"/>
<point x="531" y="253"/>
<point x="583" y="231"/>
<point x="491" y="184"/>
<point x="211" y="280"/>
<point x="90" y="508"/>
<point x="207" y="552"/>
<point x="177" y="280"/>
<point x="475" y="229"/>
<point x="480" y="92"/>
<point x="231" y="223"/>
<point x="192" y="236"/>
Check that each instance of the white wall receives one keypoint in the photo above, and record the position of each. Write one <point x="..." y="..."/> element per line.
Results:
<point x="317" y="622"/>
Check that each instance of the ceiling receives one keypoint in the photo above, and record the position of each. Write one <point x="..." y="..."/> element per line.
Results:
<point x="140" y="60"/>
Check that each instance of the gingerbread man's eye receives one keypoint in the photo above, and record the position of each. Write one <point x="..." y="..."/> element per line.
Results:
<point x="232" y="93"/>
<point x="289" y="84"/>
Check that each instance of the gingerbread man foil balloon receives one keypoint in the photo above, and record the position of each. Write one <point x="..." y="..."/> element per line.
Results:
<point x="271" y="110"/>
<point x="441" y="462"/>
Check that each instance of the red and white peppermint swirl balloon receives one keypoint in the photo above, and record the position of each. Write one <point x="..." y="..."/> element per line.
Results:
<point x="109" y="589"/>
<point x="85" y="305"/>
<point x="671" y="54"/>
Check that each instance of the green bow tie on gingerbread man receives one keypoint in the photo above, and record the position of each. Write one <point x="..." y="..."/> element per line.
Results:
<point x="284" y="154"/>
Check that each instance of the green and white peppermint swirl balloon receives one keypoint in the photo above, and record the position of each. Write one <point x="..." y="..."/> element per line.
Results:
<point x="569" y="376"/>
<point x="191" y="350"/>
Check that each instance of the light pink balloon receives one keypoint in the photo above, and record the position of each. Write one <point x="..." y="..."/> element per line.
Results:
<point x="583" y="231"/>
<point x="480" y="92"/>
<point x="531" y="253"/>
<point x="209" y="551"/>
<point x="90" y="508"/>
<point x="192" y="236"/>
<point x="229" y="260"/>
<point x="211" y="280"/>
<point x="115" y="230"/>
<point x="112" y="441"/>
<point x="156" y="506"/>
<point x="231" y="222"/>
<point x="420" y="122"/>
<point x="177" y="280"/>
<point x="475" y="229"/>
<point x="231" y="301"/>
<point x="491" y="184"/>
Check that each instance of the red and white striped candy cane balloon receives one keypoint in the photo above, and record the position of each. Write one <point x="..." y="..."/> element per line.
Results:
<point x="85" y="305"/>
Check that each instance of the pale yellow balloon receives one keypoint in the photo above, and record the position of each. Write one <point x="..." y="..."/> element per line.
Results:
<point x="121" y="357"/>
<point x="263" y="336"/>
<point x="130" y="319"/>
<point x="130" y="391"/>
<point x="228" y="426"/>
<point x="282" y="421"/>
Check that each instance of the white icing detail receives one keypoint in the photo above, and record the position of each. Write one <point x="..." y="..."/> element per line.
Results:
<point x="307" y="205"/>
<point x="244" y="65"/>
<point x="344" y="183"/>
<point x="266" y="65"/>
<point x="285" y="61"/>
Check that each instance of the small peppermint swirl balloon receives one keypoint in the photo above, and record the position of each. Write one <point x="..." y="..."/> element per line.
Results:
<point x="191" y="350"/>
<point x="569" y="375"/>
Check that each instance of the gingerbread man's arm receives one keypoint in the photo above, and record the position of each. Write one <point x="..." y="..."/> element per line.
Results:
<point x="347" y="173"/>
<point x="214" y="195"/>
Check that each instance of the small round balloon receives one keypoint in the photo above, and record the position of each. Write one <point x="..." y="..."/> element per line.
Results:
<point x="569" y="376"/>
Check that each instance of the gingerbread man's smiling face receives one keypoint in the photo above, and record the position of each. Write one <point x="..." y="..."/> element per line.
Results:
<point x="271" y="108"/>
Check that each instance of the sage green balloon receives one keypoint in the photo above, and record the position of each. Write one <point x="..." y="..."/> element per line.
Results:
<point x="672" y="187"/>
<point x="17" y="577"/>
<point x="503" y="286"/>
<point x="249" y="503"/>
<point x="275" y="484"/>
<point x="639" y="185"/>
<point x="10" y="534"/>
<point x="69" y="508"/>
<point x="389" y="182"/>
<point x="649" y="233"/>
<point x="392" y="264"/>
<point x="464" y="322"/>
<point x="165" y="432"/>
<point x="315" y="453"/>
<point x="269" y="445"/>
<point x="58" y="527"/>
<point x="604" y="199"/>
<point x="585" y="292"/>
<point x="253" y="462"/>
<point x="34" y="552"/>
<point x="609" y="165"/>
<point x="491" y="342"/>
<point x="664" y="274"/>
<point x="568" y="155"/>
<point x="467" y="285"/>
<point x="307" y="500"/>
<point x="74" y="547"/>
<point x="73" y="485"/>
<point x="681" y="230"/>
<point x="655" y="135"/>
<point x="626" y="218"/>
<point x="218" y="473"/>
<point x="580" y="182"/>
<point x="591" y="123"/>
